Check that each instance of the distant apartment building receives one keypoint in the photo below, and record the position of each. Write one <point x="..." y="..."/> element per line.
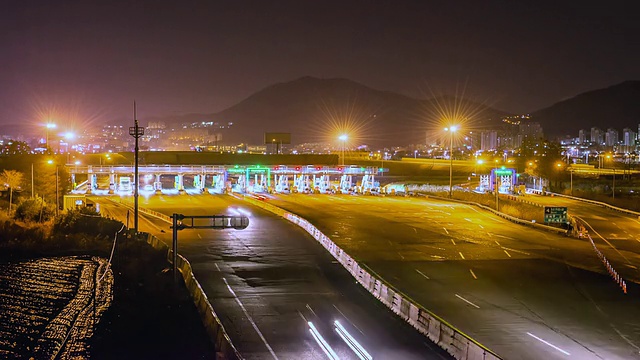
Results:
<point x="597" y="136"/>
<point x="488" y="140"/>
<point x="629" y="140"/>
<point x="611" y="137"/>
<point x="582" y="136"/>
<point x="529" y="132"/>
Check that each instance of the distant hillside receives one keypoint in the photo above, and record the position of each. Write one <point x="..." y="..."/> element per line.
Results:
<point x="310" y="108"/>
<point x="616" y="107"/>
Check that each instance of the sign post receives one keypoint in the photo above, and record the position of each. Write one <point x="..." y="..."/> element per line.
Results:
<point x="214" y="222"/>
<point x="555" y="214"/>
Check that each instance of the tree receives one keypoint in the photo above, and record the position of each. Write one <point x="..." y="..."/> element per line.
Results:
<point x="12" y="179"/>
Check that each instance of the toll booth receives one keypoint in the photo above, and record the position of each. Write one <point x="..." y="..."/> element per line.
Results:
<point x="346" y="184"/>
<point x="75" y="202"/>
<point x="504" y="179"/>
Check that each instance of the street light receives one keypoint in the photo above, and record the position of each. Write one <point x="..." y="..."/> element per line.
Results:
<point x="571" y="181"/>
<point x="57" y="189"/>
<point x="343" y="138"/>
<point x="451" y="130"/>
<point x="495" y="175"/>
<point x="48" y="126"/>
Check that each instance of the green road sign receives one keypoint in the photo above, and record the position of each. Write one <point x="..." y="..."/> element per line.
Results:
<point x="555" y="214"/>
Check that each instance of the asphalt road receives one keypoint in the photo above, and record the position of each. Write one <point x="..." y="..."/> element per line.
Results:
<point x="267" y="281"/>
<point x="616" y="234"/>
<point x="524" y="293"/>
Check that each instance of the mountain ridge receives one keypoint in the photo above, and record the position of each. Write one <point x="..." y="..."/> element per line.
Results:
<point x="617" y="106"/>
<point x="315" y="109"/>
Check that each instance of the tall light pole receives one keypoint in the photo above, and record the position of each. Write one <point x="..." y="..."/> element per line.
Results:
<point x="495" y="175"/>
<point x="135" y="131"/>
<point x="614" y="184"/>
<point x="451" y="130"/>
<point x="343" y="138"/>
<point x="48" y="126"/>
<point x="571" y="180"/>
<point x="57" y="188"/>
<point x="57" y="194"/>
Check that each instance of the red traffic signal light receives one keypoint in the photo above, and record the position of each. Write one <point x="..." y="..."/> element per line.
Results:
<point x="340" y="168"/>
<point x="318" y="168"/>
<point x="276" y="167"/>
<point x="298" y="168"/>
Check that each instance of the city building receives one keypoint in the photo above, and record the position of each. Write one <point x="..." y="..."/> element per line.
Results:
<point x="611" y="138"/>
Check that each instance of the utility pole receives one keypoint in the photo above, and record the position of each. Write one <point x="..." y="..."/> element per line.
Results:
<point x="135" y="131"/>
<point x="57" y="193"/>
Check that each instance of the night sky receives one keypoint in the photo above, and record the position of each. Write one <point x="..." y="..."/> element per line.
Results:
<point x="90" y="59"/>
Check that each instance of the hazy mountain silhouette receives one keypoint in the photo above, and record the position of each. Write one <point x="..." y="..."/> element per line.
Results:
<point x="313" y="110"/>
<point x="617" y="107"/>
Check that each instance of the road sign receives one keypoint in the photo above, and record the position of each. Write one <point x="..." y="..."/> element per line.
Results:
<point x="555" y="214"/>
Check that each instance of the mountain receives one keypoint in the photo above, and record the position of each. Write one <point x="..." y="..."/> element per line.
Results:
<point x="317" y="110"/>
<point x="617" y="107"/>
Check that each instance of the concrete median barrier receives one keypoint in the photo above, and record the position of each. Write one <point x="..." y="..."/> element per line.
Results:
<point x="454" y="341"/>
<point x="222" y="343"/>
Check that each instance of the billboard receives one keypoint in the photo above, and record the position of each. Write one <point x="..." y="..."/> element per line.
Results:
<point x="277" y="138"/>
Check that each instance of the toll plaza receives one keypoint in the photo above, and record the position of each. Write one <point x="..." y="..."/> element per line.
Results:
<point x="217" y="179"/>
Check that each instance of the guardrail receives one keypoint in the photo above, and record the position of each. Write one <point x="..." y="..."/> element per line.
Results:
<point x="225" y="350"/>
<point x="221" y="341"/>
<point x="454" y="341"/>
<point x="600" y="203"/>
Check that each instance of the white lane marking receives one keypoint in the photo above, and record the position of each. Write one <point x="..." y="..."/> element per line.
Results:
<point x="445" y="230"/>
<point x="322" y="342"/>
<point x="504" y="237"/>
<point x="625" y="338"/>
<point x="462" y="256"/>
<point x="453" y="242"/>
<point x="481" y="227"/>
<point x="469" y="220"/>
<point x="473" y="274"/>
<point x="416" y="230"/>
<point x="421" y="273"/>
<point x="255" y="327"/>
<point x="217" y="267"/>
<point x="497" y="242"/>
<point x="400" y="255"/>
<point x="199" y="236"/>
<point x="506" y="252"/>
<point x="467" y="301"/>
<point x="604" y="239"/>
<point x="548" y="343"/>
<point x="490" y="234"/>
<point x="518" y="251"/>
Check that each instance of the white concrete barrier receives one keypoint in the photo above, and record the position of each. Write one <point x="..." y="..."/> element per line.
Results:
<point x="222" y="343"/>
<point x="598" y="203"/>
<point x="455" y="342"/>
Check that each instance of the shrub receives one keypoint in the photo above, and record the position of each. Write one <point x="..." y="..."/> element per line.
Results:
<point x="34" y="210"/>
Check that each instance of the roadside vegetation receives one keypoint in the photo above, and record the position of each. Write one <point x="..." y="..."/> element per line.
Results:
<point x="150" y="316"/>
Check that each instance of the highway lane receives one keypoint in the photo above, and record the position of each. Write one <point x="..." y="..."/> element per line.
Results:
<point x="617" y="234"/>
<point x="525" y="293"/>
<point x="267" y="281"/>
